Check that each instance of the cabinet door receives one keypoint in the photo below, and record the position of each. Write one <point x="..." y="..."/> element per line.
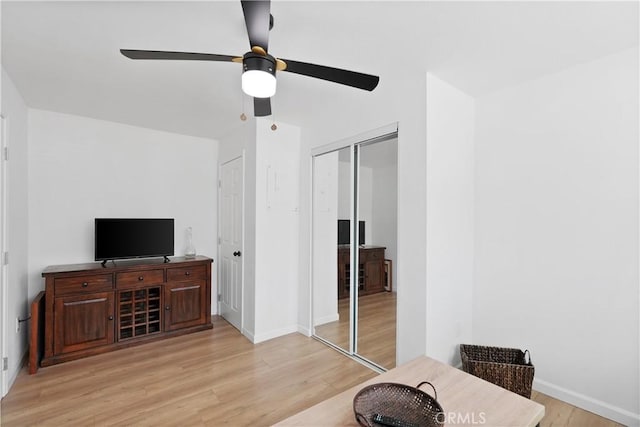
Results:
<point x="83" y="321"/>
<point x="185" y="304"/>
<point x="373" y="276"/>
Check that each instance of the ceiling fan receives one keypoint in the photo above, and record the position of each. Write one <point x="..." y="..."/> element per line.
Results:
<point x="259" y="67"/>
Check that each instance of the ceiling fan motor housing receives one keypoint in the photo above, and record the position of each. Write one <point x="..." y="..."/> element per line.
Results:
<point x="253" y="61"/>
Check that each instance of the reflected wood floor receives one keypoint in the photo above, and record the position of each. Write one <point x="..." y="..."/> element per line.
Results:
<point x="209" y="378"/>
<point x="376" y="328"/>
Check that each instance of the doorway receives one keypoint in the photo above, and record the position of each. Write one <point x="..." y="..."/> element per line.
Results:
<point x="231" y="214"/>
<point x="354" y="293"/>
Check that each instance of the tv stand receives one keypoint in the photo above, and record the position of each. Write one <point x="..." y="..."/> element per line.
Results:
<point x="370" y="270"/>
<point x="95" y="308"/>
<point x="105" y="261"/>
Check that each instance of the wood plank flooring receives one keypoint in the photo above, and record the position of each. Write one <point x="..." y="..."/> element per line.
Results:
<point x="210" y="378"/>
<point x="206" y="378"/>
<point x="376" y="328"/>
<point x="561" y="414"/>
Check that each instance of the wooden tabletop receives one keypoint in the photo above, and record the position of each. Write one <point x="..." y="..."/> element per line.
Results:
<point x="465" y="399"/>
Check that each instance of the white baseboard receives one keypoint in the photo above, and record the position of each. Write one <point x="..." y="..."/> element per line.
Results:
<point x="248" y="334"/>
<point x="274" y="334"/>
<point x="327" y="319"/>
<point x="587" y="403"/>
<point x="304" y="331"/>
<point x="12" y="375"/>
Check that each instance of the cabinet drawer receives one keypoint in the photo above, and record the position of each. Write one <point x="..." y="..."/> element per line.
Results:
<point x="83" y="284"/>
<point x="139" y="278"/>
<point x="373" y="255"/>
<point x="186" y="273"/>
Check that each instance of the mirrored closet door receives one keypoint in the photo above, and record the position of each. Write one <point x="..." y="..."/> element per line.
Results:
<point x="355" y="200"/>
<point x="332" y="177"/>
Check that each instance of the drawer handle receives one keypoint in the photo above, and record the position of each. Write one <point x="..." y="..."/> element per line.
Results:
<point x="85" y="284"/>
<point x="187" y="273"/>
<point x="140" y="278"/>
<point x="167" y="308"/>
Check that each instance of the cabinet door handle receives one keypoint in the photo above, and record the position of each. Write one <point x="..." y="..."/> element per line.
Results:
<point x="140" y="278"/>
<point x="167" y="308"/>
<point x="85" y="284"/>
<point x="110" y="317"/>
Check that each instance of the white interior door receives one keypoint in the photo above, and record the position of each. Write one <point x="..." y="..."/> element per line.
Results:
<point x="231" y="232"/>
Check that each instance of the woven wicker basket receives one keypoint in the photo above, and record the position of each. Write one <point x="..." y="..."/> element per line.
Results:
<point x="508" y="368"/>
<point x="399" y="404"/>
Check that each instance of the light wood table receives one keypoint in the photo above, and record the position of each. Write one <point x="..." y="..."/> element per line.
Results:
<point x="465" y="399"/>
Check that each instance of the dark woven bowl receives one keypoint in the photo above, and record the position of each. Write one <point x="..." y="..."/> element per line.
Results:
<point x="406" y="405"/>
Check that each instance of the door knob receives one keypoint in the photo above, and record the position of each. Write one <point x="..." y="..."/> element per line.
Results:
<point x="237" y="253"/>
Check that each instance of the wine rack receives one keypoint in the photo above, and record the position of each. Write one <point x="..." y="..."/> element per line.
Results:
<point x="347" y="278"/>
<point x="140" y="312"/>
<point x="369" y="274"/>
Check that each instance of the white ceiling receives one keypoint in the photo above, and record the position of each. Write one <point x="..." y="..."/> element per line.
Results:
<point x="64" y="56"/>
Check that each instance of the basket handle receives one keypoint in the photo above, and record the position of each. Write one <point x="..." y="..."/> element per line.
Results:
<point x="362" y="420"/>
<point x="435" y="393"/>
<point x="527" y="355"/>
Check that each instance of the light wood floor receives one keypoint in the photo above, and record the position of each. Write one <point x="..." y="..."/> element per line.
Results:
<point x="210" y="378"/>
<point x="561" y="414"/>
<point x="376" y="328"/>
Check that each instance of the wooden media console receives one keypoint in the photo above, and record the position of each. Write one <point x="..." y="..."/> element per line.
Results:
<point x="91" y="308"/>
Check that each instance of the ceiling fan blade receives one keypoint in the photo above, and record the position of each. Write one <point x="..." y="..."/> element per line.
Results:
<point x="336" y="75"/>
<point x="256" y="17"/>
<point x="188" y="56"/>
<point x="261" y="107"/>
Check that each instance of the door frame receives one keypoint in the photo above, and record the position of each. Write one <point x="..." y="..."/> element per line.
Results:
<point x="242" y="215"/>
<point x="4" y="304"/>
<point x="353" y="143"/>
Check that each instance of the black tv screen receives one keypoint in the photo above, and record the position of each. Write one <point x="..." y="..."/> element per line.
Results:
<point x="118" y="238"/>
<point x="344" y="232"/>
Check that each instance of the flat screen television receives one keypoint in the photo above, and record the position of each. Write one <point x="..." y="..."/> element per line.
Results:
<point x="118" y="238"/>
<point x="344" y="232"/>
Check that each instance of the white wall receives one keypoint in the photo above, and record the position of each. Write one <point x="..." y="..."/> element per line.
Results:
<point x="277" y="230"/>
<point x="15" y="113"/>
<point x="81" y="169"/>
<point x="384" y="195"/>
<point x="325" y="236"/>
<point x="450" y="219"/>
<point x="365" y="199"/>
<point x="271" y="231"/>
<point x="557" y="231"/>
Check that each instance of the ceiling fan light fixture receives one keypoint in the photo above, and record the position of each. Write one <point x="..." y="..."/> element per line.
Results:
<point x="259" y="76"/>
<point x="258" y="83"/>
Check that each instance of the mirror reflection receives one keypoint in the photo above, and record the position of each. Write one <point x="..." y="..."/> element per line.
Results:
<point x="362" y="181"/>
<point x="331" y="200"/>
<point x="377" y="218"/>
